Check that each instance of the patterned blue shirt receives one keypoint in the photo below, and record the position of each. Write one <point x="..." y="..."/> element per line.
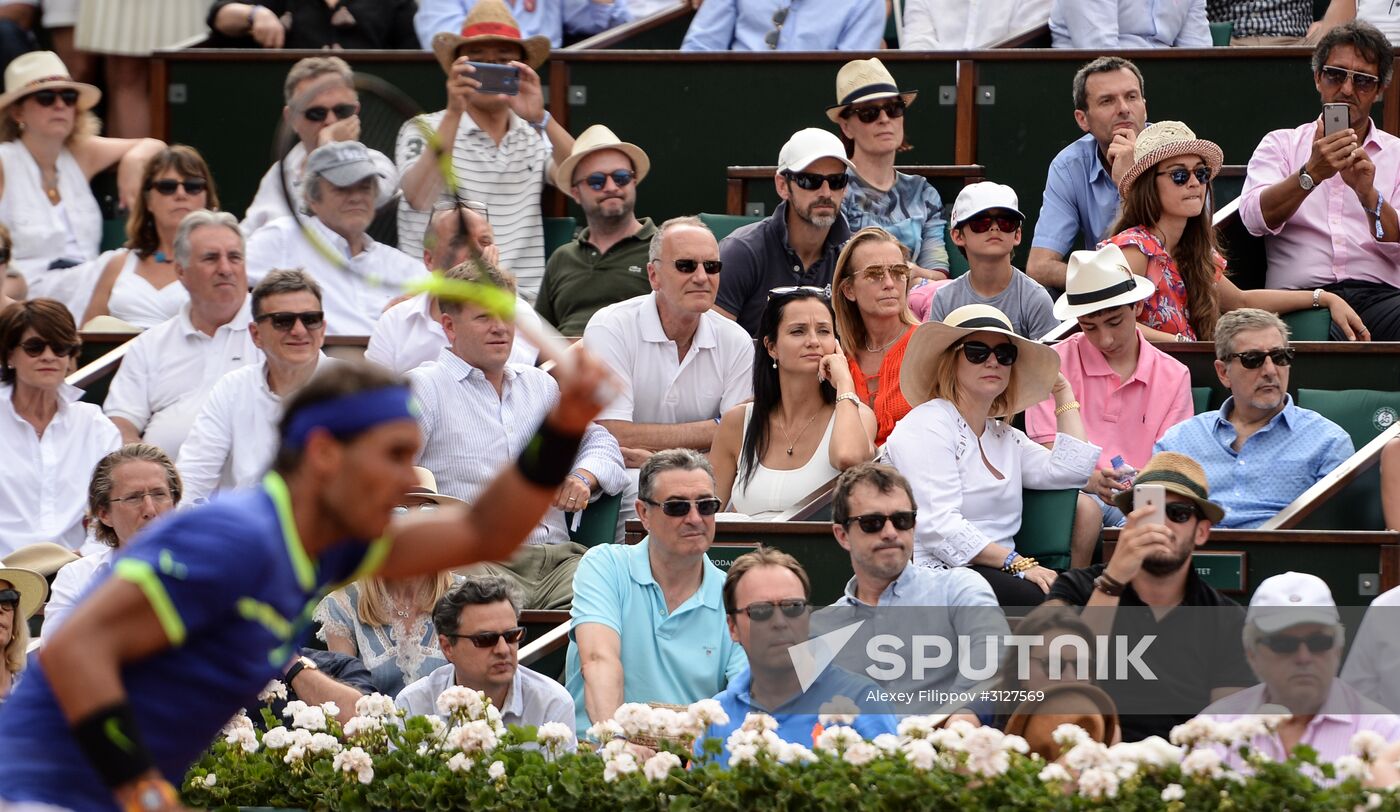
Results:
<point x="911" y="210"/>
<point x="809" y="25"/>
<point x="1276" y="464"/>
<point x="1080" y="198"/>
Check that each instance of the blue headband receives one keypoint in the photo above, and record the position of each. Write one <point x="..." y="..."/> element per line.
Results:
<point x="344" y="417"/>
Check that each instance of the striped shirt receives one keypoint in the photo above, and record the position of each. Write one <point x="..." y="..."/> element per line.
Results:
<point x="508" y="178"/>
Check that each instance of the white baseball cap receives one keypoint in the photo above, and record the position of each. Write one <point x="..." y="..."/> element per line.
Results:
<point x="808" y="146"/>
<point x="976" y="198"/>
<point x="1292" y="599"/>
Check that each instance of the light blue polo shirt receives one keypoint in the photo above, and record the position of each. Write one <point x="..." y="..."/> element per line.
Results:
<point x="675" y="657"/>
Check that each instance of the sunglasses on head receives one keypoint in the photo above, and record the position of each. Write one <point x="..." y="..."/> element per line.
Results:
<point x="711" y="266"/>
<point x="489" y="639"/>
<point x="167" y="186"/>
<point x="976" y="352"/>
<point x="983" y="223"/>
<point x="35" y="347"/>
<point x="282" y="322"/>
<point x="319" y="113"/>
<point x="676" y="508"/>
<point x="875" y="522"/>
<point x="8" y="596"/>
<point x="789" y="290"/>
<point x="1253" y="359"/>
<point x="1181" y="512"/>
<point x="1287" y="643"/>
<point x="597" y="180"/>
<point x="763" y="610"/>
<point x="876" y="273"/>
<point x="1181" y="175"/>
<point x="868" y="114"/>
<point x="811" y="181"/>
<point x="46" y="98"/>
<point x="1336" y="77"/>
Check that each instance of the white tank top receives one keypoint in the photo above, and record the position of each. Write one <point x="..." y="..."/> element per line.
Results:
<point x="770" y="492"/>
<point x="137" y="302"/>
<point x="44" y="232"/>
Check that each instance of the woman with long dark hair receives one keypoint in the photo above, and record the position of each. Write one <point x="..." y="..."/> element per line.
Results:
<point x="805" y="425"/>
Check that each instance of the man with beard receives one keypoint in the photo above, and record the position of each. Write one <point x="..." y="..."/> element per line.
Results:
<point x="607" y="263"/>
<point x="1260" y="450"/>
<point x="1195" y="657"/>
<point x="797" y="244"/>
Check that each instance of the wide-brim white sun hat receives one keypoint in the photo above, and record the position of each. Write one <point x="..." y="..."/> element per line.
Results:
<point x="1098" y="280"/>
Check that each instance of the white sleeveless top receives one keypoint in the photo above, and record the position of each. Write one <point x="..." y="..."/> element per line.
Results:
<point x="769" y="492"/>
<point x="137" y="302"/>
<point x="44" y="232"/>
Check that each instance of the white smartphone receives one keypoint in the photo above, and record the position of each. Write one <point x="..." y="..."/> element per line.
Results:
<point x="1154" y="497"/>
<point x="1335" y="118"/>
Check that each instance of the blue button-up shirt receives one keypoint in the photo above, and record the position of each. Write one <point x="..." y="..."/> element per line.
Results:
<point x="549" y="18"/>
<point x="811" y="25"/>
<point x="1080" y="198"/>
<point x="1273" y="467"/>
<point x="1114" y="24"/>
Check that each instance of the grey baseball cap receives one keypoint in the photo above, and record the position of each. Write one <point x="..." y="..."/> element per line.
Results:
<point x="343" y="163"/>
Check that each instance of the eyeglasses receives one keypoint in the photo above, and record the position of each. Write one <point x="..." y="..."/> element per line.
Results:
<point x="489" y="639"/>
<point x="282" y="322"/>
<point x="875" y="522"/>
<point x="811" y="181"/>
<point x="711" y="266"/>
<point x="9" y="597"/>
<point x="598" y="180"/>
<point x="342" y="111"/>
<point x="676" y="508"/>
<point x="167" y="186"/>
<point x="762" y="610"/>
<point x="404" y="510"/>
<point x="1181" y="513"/>
<point x="788" y="290"/>
<point x="1336" y="77"/>
<point x="779" y="17"/>
<point x="983" y="224"/>
<point x="876" y="273"/>
<point x="159" y="496"/>
<point x="35" y="347"/>
<point x="1181" y="175"/>
<point x="976" y="352"/>
<point x="46" y="98"/>
<point x="1287" y="643"/>
<point x="869" y="114"/>
<point x="450" y="205"/>
<point x="1253" y="359"/>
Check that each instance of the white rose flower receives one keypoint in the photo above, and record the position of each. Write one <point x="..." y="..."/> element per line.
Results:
<point x="635" y="718"/>
<point x="355" y="761"/>
<point x="619" y="765"/>
<point x="309" y="718"/>
<point x="1351" y="767"/>
<point x="660" y="765"/>
<point x="294" y="754"/>
<point x="459" y="763"/>
<point x="1368" y="744"/>
<point x="245" y="738"/>
<point x="1173" y="792"/>
<point x="553" y="735"/>
<point x="709" y="712"/>
<point x="272" y="691"/>
<point x="837" y="738"/>
<point x="376" y="706"/>
<point x="860" y="754"/>
<point x="497" y="770"/>
<point x="363" y="725"/>
<point x="324" y="743"/>
<point x="464" y="700"/>
<point x="888" y="743"/>
<point x="473" y="737"/>
<point x="1201" y="761"/>
<point x="276" y="738"/>
<point x="1096" y="782"/>
<point x="921" y="754"/>
<point x="294" y="707"/>
<point x="210" y="780"/>
<point x="1055" y="774"/>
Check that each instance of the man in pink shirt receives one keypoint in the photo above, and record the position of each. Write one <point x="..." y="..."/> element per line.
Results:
<point x="1325" y="201"/>
<point x="1129" y="391"/>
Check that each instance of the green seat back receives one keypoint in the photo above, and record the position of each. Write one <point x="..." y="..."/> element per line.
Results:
<point x="558" y="231"/>
<point x="1363" y="414"/>
<point x="1220" y="33"/>
<point x="599" y="523"/>
<point x="724" y="224"/>
<point x="1308" y="325"/>
<point x="1047" y="519"/>
<point x="957" y="263"/>
<point x="1200" y="398"/>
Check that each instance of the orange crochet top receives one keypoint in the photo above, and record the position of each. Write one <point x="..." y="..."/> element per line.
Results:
<point x="889" y="405"/>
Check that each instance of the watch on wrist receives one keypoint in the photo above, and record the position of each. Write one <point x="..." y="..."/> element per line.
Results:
<point x="1376" y="213"/>
<point x="302" y="663"/>
<point x="1305" y="180"/>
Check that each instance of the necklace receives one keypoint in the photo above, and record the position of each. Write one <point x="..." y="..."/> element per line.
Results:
<point x="791" y="442"/>
<point x="871" y="349"/>
<point x="54" y="197"/>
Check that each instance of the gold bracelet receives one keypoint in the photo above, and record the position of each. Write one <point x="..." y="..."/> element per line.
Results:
<point x="1073" y="404"/>
<point x="1022" y="564"/>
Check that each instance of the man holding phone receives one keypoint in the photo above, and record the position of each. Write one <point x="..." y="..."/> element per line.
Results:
<point x="1321" y="193"/>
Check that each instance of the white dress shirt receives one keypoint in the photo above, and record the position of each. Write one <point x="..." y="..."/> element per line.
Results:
<point x="534" y="699"/>
<point x="351" y="302"/>
<point x="715" y="375"/>
<point x="44" y="481"/>
<point x="72" y="581"/>
<point x="269" y="203"/>
<point x="1373" y="664"/>
<point x="234" y="438"/>
<point x="407" y="336"/>
<point x="169" y="370"/>
<point x="957" y="25"/>
<point x="962" y="506"/>
<point x="470" y="433"/>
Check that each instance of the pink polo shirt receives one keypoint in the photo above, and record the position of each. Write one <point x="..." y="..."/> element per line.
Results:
<point x="1329" y="238"/>
<point x="1120" y="417"/>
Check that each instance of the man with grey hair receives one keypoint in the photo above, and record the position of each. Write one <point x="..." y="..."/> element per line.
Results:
<point x="169" y="369"/>
<point x="479" y="632"/>
<point x="1259" y="451"/>
<point x="339" y="190"/>
<point x="321" y="107"/>
<point x="648" y="622"/>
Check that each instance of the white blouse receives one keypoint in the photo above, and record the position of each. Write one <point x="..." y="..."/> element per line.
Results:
<point x="962" y="506"/>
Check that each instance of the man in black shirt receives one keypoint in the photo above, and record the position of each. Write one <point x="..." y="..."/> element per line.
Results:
<point x="1195" y="657"/>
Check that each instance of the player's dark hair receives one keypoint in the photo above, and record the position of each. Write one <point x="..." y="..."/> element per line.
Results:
<point x="331" y="381"/>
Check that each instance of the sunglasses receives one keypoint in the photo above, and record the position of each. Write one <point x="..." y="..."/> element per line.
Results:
<point x="489" y="639"/>
<point x="1336" y="77"/>
<point x="1253" y="359"/>
<point x="876" y="273"/>
<point x="676" y="508"/>
<point x="763" y="610"/>
<point x="976" y="352"/>
<point x="167" y="187"/>
<point x="875" y="522"/>
<point x="869" y="114"/>
<point x="450" y="205"/>
<point x="779" y="17"/>
<point x="983" y="224"/>
<point x="1287" y="643"/>
<point x="711" y="266"/>
<point x="282" y="322"/>
<point x="1181" y="513"/>
<point x="46" y="98"/>
<point x="598" y="180"/>
<point x="1181" y="175"/>
<point x="788" y="290"/>
<point x="159" y="496"/>
<point x="342" y="111"/>
<point x="9" y="596"/>
<point x="404" y="510"/>
<point x="35" y="347"/>
<point x="811" y="181"/>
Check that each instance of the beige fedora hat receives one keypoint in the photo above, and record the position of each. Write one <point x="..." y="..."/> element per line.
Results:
<point x="592" y="140"/>
<point x="862" y="80"/>
<point x="1097" y="280"/>
<point x="427" y="489"/>
<point x="489" y="21"/>
<point x="1168" y="139"/>
<point x="43" y="70"/>
<point x="1036" y="364"/>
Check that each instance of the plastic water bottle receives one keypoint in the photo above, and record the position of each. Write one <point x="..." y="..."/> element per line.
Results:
<point x="1122" y="471"/>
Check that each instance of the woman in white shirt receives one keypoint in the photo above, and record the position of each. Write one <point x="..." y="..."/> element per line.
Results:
<point x="805" y="425"/>
<point x="963" y="376"/>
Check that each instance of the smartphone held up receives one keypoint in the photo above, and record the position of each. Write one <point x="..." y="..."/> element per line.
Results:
<point x="501" y="80"/>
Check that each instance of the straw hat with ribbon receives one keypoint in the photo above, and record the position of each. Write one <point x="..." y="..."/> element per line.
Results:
<point x="489" y="21"/>
<point x="1098" y="280"/>
<point x="1178" y="474"/>
<point x="43" y="70"/>
<point x="863" y="80"/>
<point x="592" y="140"/>
<point x="1036" y="364"/>
<point x="1168" y="139"/>
<point x="33" y="587"/>
<point x="1071" y="703"/>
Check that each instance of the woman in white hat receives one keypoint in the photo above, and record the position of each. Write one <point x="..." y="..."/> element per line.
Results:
<point x="49" y="151"/>
<point x="1164" y="228"/>
<point x="22" y="592"/>
<point x="966" y="377"/>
